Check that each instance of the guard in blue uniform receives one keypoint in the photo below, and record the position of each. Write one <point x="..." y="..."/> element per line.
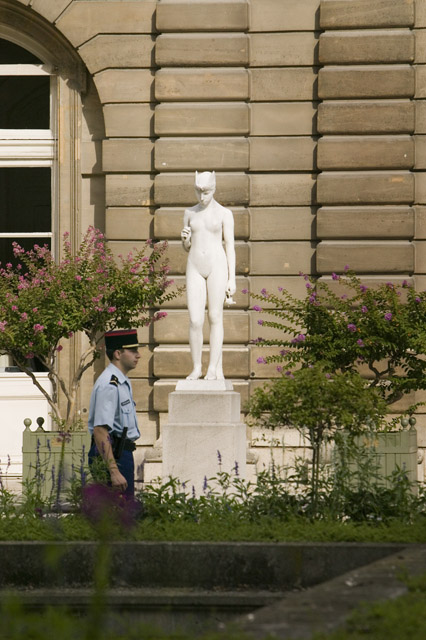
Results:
<point x="112" y="415"/>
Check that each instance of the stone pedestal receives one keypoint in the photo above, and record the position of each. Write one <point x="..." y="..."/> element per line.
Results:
<point x="204" y="434"/>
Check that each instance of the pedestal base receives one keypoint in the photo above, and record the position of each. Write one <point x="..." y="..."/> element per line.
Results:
<point x="204" y="436"/>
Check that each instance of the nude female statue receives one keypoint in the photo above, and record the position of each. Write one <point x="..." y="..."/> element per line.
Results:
<point x="210" y="269"/>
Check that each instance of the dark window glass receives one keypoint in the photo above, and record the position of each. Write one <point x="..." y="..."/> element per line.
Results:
<point x="11" y="53"/>
<point x="24" y="102"/>
<point x="25" y="196"/>
<point x="6" y="248"/>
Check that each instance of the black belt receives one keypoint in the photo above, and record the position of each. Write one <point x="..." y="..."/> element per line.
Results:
<point x="129" y="445"/>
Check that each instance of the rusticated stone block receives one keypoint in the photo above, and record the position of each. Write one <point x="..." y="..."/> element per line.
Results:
<point x="283" y="49"/>
<point x="129" y="120"/>
<point x="48" y="9"/>
<point x="83" y="20"/>
<point x="260" y="369"/>
<point x="178" y="189"/>
<point x="203" y="154"/>
<point x="420" y="262"/>
<point x="201" y="15"/>
<point x="420" y="187"/>
<point x="128" y="223"/>
<point x="282" y="118"/>
<point x="131" y="154"/>
<point x="295" y="285"/>
<point x="128" y="190"/>
<point x="286" y="258"/>
<point x="281" y="189"/>
<point x="178" y="257"/>
<point x="143" y="392"/>
<point x="201" y="84"/>
<point x="291" y="15"/>
<point x="174" y="329"/>
<point x="163" y="387"/>
<point x="106" y="51"/>
<point x="202" y="119"/>
<point x="383" y="257"/>
<point x="358" y="47"/>
<point x="420" y="214"/>
<point x="365" y="187"/>
<point x="420" y="70"/>
<point x="168" y="223"/>
<point x="175" y="361"/>
<point x="365" y="222"/>
<point x="335" y="14"/>
<point x="282" y="223"/>
<point x="297" y="83"/>
<point x="420" y="116"/>
<point x="240" y="299"/>
<point x="366" y="116"/>
<point x="420" y="152"/>
<point x="201" y="49"/>
<point x="125" y="85"/>
<point x="420" y="15"/>
<point x="365" y="152"/>
<point x="91" y="157"/>
<point x="369" y="81"/>
<point x="282" y="153"/>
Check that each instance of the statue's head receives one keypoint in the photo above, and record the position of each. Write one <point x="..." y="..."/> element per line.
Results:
<point x="205" y="185"/>
<point x="205" y="180"/>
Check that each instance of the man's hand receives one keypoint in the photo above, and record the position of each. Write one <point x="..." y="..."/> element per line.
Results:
<point x="118" y="481"/>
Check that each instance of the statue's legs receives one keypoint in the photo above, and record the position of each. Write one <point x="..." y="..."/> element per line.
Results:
<point x="196" y="300"/>
<point x="216" y="286"/>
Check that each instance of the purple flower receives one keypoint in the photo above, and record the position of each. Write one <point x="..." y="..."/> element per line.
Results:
<point x="364" y="309"/>
<point x="300" y="338"/>
<point x="335" y="276"/>
<point x="328" y="376"/>
<point x="360" y="342"/>
<point x="244" y="290"/>
<point x="346" y="267"/>
<point x="289" y="374"/>
<point x="257" y="308"/>
<point x="417" y="299"/>
<point x="363" y="288"/>
<point x="260" y="322"/>
<point x="351" y="327"/>
<point x="261" y="360"/>
<point x="264" y="292"/>
<point x="280" y="289"/>
<point x="388" y="316"/>
<point x="390" y="285"/>
<point x="308" y="285"/>
<point x="279" y="369"/>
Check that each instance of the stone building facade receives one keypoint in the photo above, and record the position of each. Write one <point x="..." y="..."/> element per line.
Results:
<point x="312" y="113"/>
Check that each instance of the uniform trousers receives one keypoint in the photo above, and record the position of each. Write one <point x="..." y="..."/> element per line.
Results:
<point x="125" y="464"/>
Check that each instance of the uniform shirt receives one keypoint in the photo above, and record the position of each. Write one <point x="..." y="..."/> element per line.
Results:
<point x="112" y="403"/>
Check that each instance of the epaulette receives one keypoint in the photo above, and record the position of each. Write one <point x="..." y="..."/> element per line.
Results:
<point x="114" y="380"/>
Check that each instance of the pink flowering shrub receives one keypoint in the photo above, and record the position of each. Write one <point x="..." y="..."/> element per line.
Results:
<point x="349" y="326"/>
<point x="43" y="303"/>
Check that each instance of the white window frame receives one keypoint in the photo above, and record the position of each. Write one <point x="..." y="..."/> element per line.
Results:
<point x="32" y="147"/>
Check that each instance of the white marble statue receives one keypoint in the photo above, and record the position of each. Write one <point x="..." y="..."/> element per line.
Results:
<point x="210" y="270"/>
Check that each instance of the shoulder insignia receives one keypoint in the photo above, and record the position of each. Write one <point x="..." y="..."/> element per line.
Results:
<point x="114" y="380"/>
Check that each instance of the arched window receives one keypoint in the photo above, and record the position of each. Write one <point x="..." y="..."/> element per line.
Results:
<point x="27" y="149"/>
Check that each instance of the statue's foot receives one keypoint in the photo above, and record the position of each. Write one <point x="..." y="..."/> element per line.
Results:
<point x="212" y="375"/>
<point x="195" y="374"/>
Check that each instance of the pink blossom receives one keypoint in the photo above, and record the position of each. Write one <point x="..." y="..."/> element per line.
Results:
<point x="335" y="276"/>
<point x="38" y="328"/>
<point x="160" y="314"/>
<point x="257" y="308"/>
<point x="280" y="289"/>
<point x="388" y="316"/>
<point x="111" y="309"/>
<point x="59" y="347"/>
<point x="79" y="278"/>
<point x="145" y="259"/>
<point x="364" y="309"/>
<point x="360" y="342"/>
<point x="29" y="356"/>
<point x="9" y="265"/>
<point x="346" y="267"/>
<point x="3" y="326"/>
<point x="24" y="316"/>
<point x="351" y="327"/>
<point x="14" y="307"/>
<point x="35" y="309"/>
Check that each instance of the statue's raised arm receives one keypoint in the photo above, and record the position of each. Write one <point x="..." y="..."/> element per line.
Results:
<point x="210" y="271"/>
